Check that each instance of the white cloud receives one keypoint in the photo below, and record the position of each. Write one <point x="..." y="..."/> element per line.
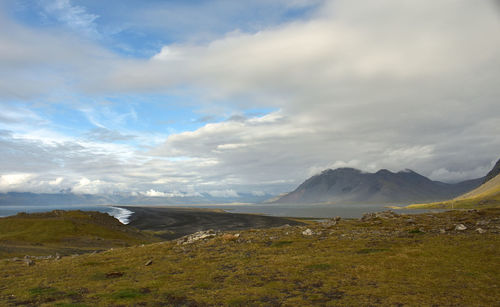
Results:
<point x="74" y="16"/>
<point x="12" y="180"/>
<point x="154" y="193"/>
<point x="223" y="193"/>
<point x="380" y="84"/>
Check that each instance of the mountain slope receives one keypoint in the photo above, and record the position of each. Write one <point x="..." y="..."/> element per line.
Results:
<point x="489" y="190"/>
<point x="349" y="185"/>
<point x="493" y="173"/>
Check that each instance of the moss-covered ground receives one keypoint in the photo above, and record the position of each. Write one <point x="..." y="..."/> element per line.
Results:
<point x="413" y="260"/>
<point x="65" y="232"/>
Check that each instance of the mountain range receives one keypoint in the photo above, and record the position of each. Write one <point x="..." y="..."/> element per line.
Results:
<point x="349" y="185"/>
<point x="64" y="199"/>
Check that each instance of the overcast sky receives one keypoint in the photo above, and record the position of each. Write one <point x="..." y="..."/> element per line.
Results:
<point x="166" y="98"/>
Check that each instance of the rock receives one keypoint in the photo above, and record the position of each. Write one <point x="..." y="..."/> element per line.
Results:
<point x="114" y="274"/>
<point x="331" y="222"/>
<point x="200" y="235"/>
<point x="29" y="262"/>
<point x="410" y="221"/>
<point x="368" y="217"/>
<point x="482" y="222"/>
<point x="58" y="256"/>
<point x="149" y="262"/>
<point x="308" y="232"/>
<point x="442" y="231"/>
<point x="389" y="214"/>
<point x="230" y="237"/>
<point x="460" y="227"/>
<point x="480" y="230"/>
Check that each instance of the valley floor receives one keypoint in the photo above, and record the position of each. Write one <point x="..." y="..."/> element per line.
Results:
<point x="385" y="259"/>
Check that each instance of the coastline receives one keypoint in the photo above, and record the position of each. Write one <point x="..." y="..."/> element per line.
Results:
<point x="171" y="223"/>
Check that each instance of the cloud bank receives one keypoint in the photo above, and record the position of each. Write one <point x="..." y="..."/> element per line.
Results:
<point x="385" y="84"/>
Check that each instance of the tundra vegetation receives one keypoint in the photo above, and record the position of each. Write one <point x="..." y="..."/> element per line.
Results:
<point x="388" y="259"/>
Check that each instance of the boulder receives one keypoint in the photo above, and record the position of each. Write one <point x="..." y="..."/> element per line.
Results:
<point x="460" y="227"/>
<point x="308" y="232"/>
<point x="200" y="235"/>
<point x="389" y="214"/>
<point x="331" y="222"/>
<point x="149" y="262"/>
<point x="230" y="237"/>
<point x="480" y="230"/>
<point x="29" y="262"/>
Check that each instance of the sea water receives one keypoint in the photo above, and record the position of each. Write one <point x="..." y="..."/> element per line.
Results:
<point x="121" y="214"/>
<point x="318" y="211"/>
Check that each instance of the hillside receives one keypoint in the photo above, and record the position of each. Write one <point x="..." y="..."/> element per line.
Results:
<point x="486" y="195"/>
<point x="495" y="171"/>
<point x="383" y="259"/>
<point x="349" y="185"/>
<point x="65" y="232"/>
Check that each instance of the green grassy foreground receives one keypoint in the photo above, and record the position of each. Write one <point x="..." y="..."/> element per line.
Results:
<point x="65" y="232"/>
<point x="383" y="260"/>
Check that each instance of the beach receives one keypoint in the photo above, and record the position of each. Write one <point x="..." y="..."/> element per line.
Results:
<point x="171" y="223"/>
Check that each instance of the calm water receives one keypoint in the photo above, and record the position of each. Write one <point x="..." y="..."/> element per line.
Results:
<point x="284" y="210"/>
<point x="309" y="210"/>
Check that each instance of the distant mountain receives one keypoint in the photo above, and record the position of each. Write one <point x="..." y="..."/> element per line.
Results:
<point x="349" y="185"/>
<point x="65" y="199"/>
<point x="495" y="171"/>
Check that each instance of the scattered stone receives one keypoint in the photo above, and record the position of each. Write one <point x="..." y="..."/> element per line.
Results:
<point x="149" y="262"/>
<point x="460" y="227"/>
<point x="482" y="222"/>
<point x="331" y="222"/>
<point x="480" y="230"/>
<point x="200" y="235"/>
<point x="368" y="217"/>
<point x="230" y="237"/>
<point x="29" y="262"/>
<point x="308" y="232"/>
<point x="389" y="214"/>
<point x="114" y="274"/>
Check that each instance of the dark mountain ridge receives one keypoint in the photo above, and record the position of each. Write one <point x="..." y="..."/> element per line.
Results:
<point x="493" y="173"/>
<point x="349" y="185"/>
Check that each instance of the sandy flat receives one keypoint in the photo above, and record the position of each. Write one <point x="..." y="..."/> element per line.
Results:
<point x="171" y="223"/>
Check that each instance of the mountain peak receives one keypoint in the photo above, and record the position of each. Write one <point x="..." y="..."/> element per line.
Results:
<point x="350" y="185"/>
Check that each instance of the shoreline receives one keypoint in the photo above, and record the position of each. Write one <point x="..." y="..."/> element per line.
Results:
<point x="172" y="223"/>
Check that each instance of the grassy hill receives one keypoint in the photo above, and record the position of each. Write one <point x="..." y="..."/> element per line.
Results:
<point x="441" y="259"/>
<point x="65" y="232"/>
<point x="486" y="195"/>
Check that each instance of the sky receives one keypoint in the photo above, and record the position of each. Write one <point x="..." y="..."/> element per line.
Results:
<point x="177" y="98"/>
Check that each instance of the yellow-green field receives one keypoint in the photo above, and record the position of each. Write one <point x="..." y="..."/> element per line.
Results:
<point x="65" y="232"/>
<point x="486" y="195"/>
<point x="384" y="260"/>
